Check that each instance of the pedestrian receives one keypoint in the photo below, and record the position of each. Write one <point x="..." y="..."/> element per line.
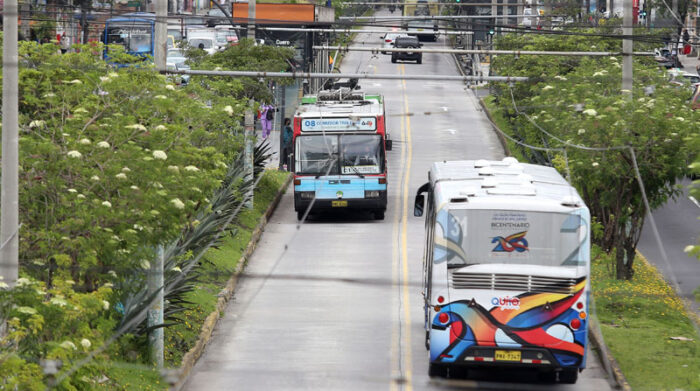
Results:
<point x="286" y="151"/>
<point x="267" y="116"/>
<point x="330" y="63"/>
<point x="686" y="36"/>
<point x="65" y="43"/>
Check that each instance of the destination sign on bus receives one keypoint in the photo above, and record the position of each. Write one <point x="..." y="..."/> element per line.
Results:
<point x="338" y="124"/>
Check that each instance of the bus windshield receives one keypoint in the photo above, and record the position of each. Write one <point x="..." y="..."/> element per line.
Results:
<point x="469" y="237"/>
<point x="316" y="155"/>
<point x="134" y="38"/>
<point x="361" y="154"/>
<point x="345" y="154"/>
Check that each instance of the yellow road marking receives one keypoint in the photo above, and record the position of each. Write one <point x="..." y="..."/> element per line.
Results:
<point x="404" y="244"/>
<point x="395" y="279"/>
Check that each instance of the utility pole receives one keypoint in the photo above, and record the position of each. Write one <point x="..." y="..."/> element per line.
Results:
<point x="251" y="19"/>
<point x="9" y="194"/>
<point x="249" y="134"/>
<point x="161" y="34"/>
<point x="249" y="124"/>
<point x="547" y="22"/>
<point x="155" y="312"/>
<point x="627" y="46"/>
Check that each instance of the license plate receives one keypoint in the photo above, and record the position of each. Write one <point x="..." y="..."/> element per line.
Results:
<point x="507" y="355"/>
<point x="339" y="204"/>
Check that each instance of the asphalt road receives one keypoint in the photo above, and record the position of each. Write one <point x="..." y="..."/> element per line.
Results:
<point x="334" y="303"/>
<point x="678" y="226"/>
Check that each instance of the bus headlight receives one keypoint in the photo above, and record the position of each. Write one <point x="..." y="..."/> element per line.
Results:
<point x="307" y="195"/>
<point x="371" y="193"/>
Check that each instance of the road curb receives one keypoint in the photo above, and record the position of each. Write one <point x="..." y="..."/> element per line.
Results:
<point x="190" y="358"/>
<point x="499" y="131"/>
<point x="613" y="368"/>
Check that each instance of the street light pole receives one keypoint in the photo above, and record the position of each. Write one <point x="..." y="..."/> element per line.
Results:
<point x="161" y="41"/>
<point x="9" y="194"/>
<point x="251" y="19"/>
<point x="248" y="166"/>
<point x="627" y="46"/>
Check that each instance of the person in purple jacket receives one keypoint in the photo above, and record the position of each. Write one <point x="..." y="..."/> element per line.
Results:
<point x="267" y="117"/>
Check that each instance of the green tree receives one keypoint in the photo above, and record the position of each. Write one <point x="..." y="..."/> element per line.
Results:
<point x="577" y="101"/>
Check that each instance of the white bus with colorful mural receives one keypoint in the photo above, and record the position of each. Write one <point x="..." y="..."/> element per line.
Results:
<point x="506" y="268"/>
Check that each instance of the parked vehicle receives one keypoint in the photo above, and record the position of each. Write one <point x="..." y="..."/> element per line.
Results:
<point x="681" y="78"/>
<point x="407" y="43"/>
<point x="175" y="60"/>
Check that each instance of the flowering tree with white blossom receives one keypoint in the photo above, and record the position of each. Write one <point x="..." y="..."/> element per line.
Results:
<point x="576" y="108"/>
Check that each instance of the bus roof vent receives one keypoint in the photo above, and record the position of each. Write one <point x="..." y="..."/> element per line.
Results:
<point x="489" y="183"/>
<point x="525" y="178"/>
<point x="515" y="191"/>
<point x="570" y="201"/>
<point x="481" y="163"/>
<point x="340" y="95"/>
<point x="469" y="192"/>
<point x="487" y="171"/>
<point x="510" y="160"/>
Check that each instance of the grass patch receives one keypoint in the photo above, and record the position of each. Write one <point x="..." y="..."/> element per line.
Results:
<point x="128" y="376"/>
<point x="217" y="268"/>
<point x="638" y="319"/>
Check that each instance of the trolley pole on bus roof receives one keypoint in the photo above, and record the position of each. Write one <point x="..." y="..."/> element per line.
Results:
<point x="161" y="34"/>
<point x="9" y="203"/>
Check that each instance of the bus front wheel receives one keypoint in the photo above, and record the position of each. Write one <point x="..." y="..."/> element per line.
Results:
<point x="568" y="376"/>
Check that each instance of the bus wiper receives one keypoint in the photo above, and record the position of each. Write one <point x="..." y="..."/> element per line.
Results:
<point x="322" y="168"/>
<point x="356" y="171"/>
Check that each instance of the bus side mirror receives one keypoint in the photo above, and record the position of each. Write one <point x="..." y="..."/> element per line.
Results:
<point x="418" y="206"/>
<point x="388" y="145"/>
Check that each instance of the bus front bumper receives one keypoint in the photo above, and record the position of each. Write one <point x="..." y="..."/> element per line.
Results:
<point x="378" y="203"/>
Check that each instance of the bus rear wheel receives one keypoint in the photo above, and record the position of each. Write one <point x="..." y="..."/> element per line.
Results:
<point x="568" y="376"/>
<point x="437" y="370"/>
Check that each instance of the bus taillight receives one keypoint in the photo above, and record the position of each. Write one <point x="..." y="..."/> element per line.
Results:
<point x="440" y="299"/>
<point x="443" y="318"/>
<point x="575" y="323"/>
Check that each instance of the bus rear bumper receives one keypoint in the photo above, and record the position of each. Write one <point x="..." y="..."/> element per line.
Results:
<point x="480" y="356"/>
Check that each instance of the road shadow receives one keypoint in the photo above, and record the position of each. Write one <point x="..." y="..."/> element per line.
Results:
<point x="341" y="216"/>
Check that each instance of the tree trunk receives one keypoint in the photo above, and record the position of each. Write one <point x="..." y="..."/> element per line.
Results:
<point x="624" y="257"/>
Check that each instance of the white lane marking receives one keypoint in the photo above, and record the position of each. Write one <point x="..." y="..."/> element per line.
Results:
<point x="694" y="201"/>
<point x="451" y="131"/>
<point x="376" y="84"/>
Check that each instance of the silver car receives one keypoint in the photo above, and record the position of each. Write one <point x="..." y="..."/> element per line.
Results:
<point x="389" y="39"/>
<point x="175" y="60"/>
